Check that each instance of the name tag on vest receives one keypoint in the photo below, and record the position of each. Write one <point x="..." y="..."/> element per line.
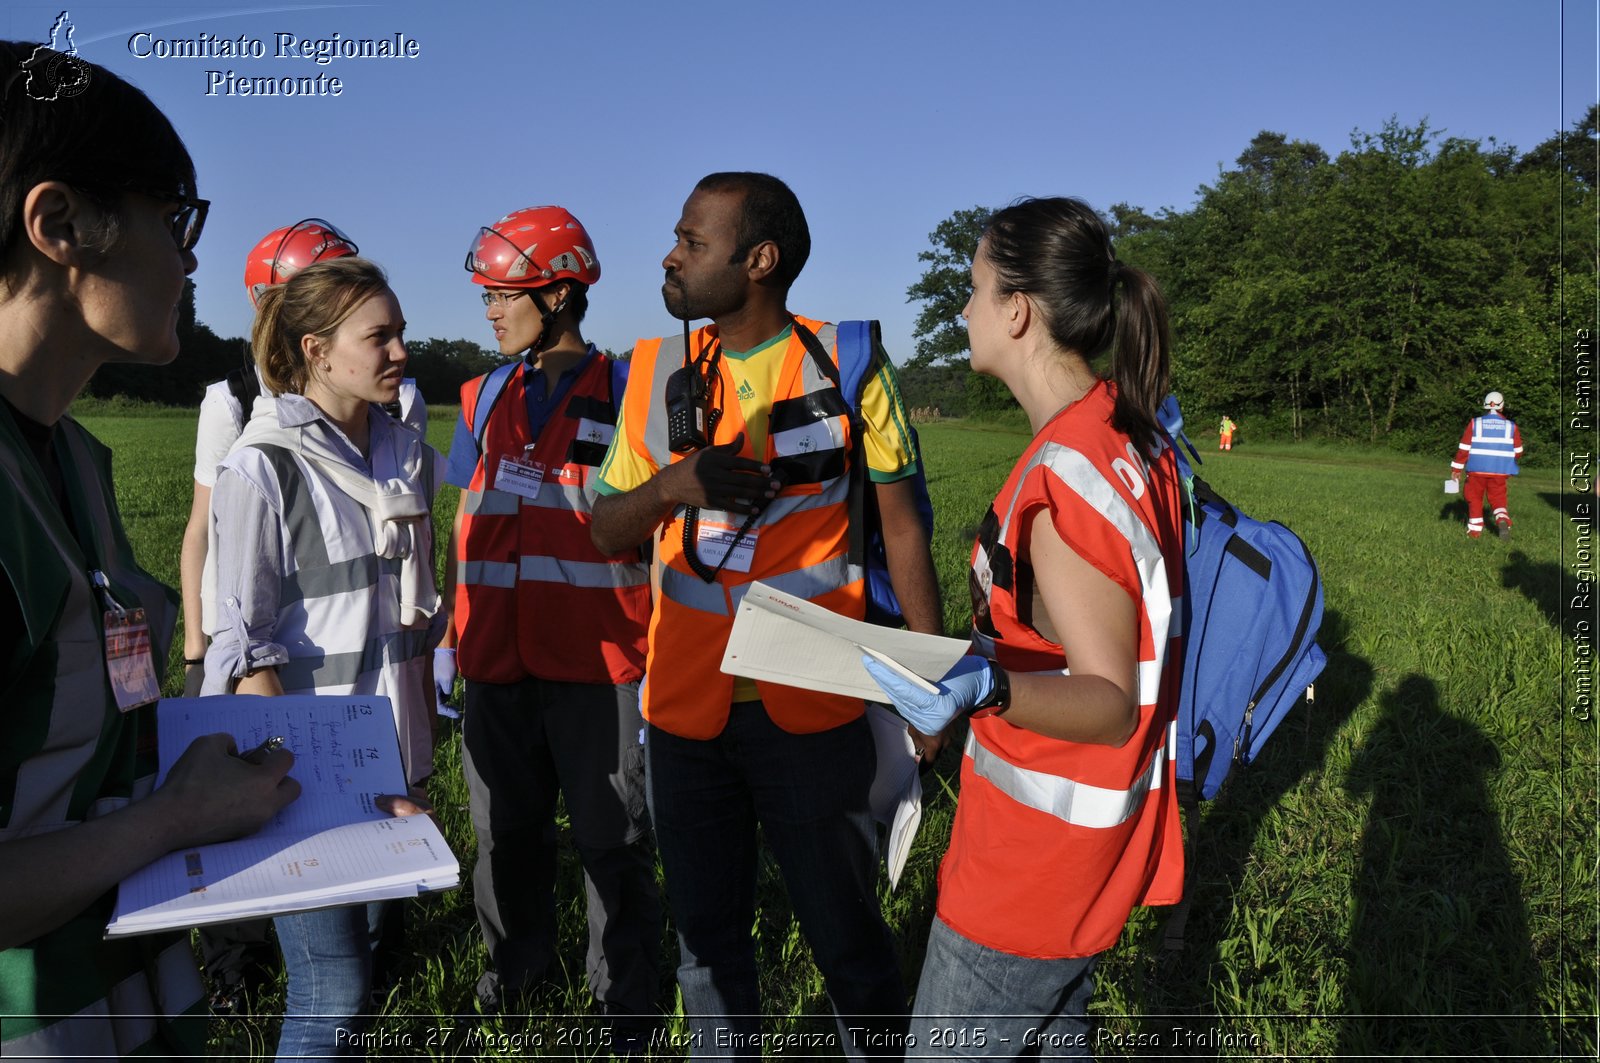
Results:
<point x="128" y="659"/>
<point x="714" y="541"/>
<point x="523" y="478"/>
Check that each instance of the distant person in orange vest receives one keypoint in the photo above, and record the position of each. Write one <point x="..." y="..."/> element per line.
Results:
<point x="1489" y="448"/>
<point x="549" y="632"/>
<point x="1225" y="441"/>
<point x="735" y="453"/>
<point x="1068" y="816"/>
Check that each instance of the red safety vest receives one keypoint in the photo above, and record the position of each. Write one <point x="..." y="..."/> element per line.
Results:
<point x="800" y="544"/>
<point x="1054" y="842"/>
<point x="533" y="595"/>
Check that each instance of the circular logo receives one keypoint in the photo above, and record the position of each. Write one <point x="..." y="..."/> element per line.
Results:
<point x="67" y="76"/>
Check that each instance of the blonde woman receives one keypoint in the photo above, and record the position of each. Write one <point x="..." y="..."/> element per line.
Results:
<point x="322" y="531"/>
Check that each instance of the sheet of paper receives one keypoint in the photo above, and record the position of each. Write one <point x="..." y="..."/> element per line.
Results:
<point x="782" y="638"/>
<point x="259" y="875"/>
<point x="346" y="752"/>
<point x="896" y="795"/>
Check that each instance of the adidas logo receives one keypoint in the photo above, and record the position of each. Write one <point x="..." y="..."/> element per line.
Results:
<point x="746" y="392"/>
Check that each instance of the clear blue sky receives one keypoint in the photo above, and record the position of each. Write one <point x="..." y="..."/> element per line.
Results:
<point x="884" y="118"/>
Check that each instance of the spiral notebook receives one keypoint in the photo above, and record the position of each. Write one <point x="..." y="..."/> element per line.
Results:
<point x="332" y="846"/>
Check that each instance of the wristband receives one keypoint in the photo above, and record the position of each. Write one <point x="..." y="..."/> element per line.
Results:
<point x="999" y="699"/>
<point x="187" y="661"/>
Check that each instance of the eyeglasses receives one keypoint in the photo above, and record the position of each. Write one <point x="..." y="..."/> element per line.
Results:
<point x="188" y="222"/>
<point x="501" y="299"/>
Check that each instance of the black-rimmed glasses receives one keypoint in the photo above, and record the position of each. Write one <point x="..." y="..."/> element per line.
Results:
<point x="189" y="221"/>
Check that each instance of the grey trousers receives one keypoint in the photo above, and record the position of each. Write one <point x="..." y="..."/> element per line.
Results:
<point x="525" y="744"/>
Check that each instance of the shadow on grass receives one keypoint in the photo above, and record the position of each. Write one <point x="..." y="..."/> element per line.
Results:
<point x="1544" y="583"/>
<point x="1440" y="960"/>
<point x="1570" y="503"/>
<point x="1181" y="986"/>
<point x="1454" y="511"/>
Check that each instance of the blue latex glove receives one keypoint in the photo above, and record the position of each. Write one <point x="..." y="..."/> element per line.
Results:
<point x="444" y="679"/>
<point x="965" y="685"/>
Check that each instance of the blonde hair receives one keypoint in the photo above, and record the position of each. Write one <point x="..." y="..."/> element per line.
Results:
<point x="313" y="302"/>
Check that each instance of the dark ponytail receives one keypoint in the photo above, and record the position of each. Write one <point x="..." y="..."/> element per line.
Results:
<point x="1058" y="251"/>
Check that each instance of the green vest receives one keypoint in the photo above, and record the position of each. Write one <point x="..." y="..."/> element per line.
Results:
<point x="67" y="754"/>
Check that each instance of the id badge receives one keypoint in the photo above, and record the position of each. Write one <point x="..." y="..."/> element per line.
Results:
<point x="128" y="659"/>
<point x="714" y="540"/>
<point x="519" y="477"/>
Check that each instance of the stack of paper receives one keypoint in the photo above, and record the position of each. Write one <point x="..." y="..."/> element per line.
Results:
<point x="333" y="846"/>
<point x="781" y="638"/>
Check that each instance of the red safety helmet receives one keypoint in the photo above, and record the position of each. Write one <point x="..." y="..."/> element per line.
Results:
<point x="533" y="247"/>
<point x="284" y="252"/>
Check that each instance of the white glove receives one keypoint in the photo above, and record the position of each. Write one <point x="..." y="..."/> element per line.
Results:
<point x="444" y="679"/>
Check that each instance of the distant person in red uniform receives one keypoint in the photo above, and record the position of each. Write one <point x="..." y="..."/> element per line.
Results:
<point x="1489" y="448"/>
<point x="1225" y="440"/>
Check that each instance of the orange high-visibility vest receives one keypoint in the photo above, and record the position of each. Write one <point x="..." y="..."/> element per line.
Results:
<point x="1054" y="842"/>
<point x="800" y="541"/>
<point x="533" y="595"/>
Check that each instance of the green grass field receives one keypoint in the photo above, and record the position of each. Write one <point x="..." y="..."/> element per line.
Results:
<point x="1408" y="871"/>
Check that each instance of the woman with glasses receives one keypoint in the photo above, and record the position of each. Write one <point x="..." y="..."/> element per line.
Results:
<point x="98" y="224"/>
<point x="1067" y="817"/>
<point x="322" y="515"/>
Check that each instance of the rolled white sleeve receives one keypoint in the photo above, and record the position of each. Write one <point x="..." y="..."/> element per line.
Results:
<point x="250" y="573"/>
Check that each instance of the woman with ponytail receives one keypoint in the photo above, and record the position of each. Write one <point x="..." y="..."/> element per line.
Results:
<point x="1067" y="817"/>
<point x="322" y="534"/>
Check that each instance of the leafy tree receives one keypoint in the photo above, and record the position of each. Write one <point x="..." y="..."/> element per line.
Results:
<point x="944" y="286"/>
<point x="1575" y="152"/>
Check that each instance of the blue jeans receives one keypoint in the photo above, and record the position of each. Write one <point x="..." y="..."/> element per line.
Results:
<point x="975" y="1002"/>
<point x="808" y="796"/>
<point x="327" y="956"/>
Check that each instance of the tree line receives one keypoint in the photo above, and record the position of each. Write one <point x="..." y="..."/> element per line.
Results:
<point x="439" y="366"/>
<point x="1372" y="296"/>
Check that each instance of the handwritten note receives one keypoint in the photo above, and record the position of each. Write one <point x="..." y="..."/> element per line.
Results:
<point x="332" y="846"/>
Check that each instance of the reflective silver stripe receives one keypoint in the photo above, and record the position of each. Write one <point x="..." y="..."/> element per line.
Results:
<point x="813" y="581"/>
<point x="584" y="573"/>
<point x="692" y="592"/>
<point x="1079" y="473"/>
<point x="501" y="574"/>
<point x="490" y="502"/>
<point x="654" y="429"/>
<point x="339" y="577"/>
<point x="347" y="669"/>
<point x="1077" y="803"/>
<point x="568" y="498"/>
<point x="833" y="493"/>
<point x="826" y="335"/>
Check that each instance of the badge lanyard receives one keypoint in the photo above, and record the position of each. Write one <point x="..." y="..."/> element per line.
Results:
<point x="129" y="663"/>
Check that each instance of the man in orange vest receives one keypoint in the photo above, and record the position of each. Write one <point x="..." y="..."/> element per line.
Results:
<point x="735" y="449"/>
<point x="549" y="632"/>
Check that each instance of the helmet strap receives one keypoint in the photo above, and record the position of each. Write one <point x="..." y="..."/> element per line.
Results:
<point x="547" y="317"/>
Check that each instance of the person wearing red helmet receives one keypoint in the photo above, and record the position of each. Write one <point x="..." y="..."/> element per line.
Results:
<point x="549" y="632"/>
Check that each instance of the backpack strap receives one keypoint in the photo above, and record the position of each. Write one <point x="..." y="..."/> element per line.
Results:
<point x="244" y="385"/>
<point x="489" y="392"/>
<point x="858" y="341"/>
<point x="847" y="340"/>
<point x="619" y="382"/>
